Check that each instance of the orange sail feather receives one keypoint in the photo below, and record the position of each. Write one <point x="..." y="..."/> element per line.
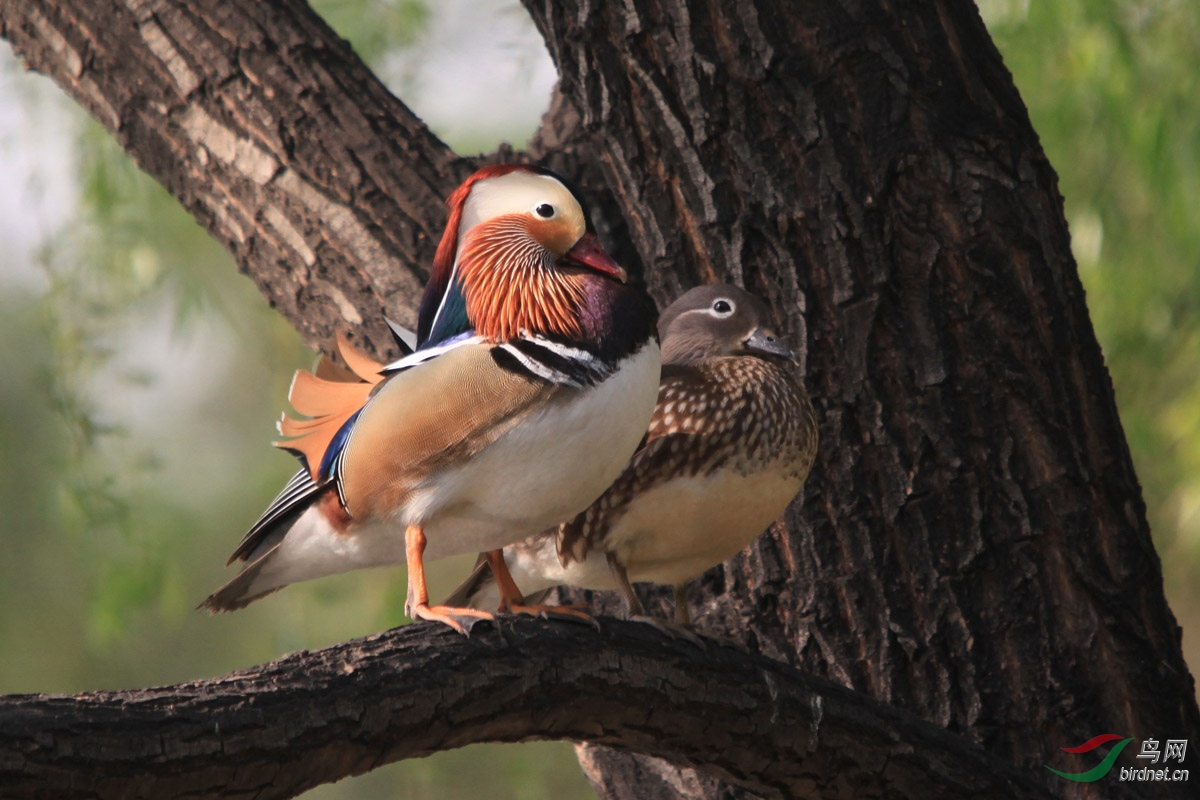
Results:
<point x="324" y="405"/>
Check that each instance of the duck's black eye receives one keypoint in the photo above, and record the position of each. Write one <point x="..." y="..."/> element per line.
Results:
<point x="545" y="211"/>
<point x="723" y="308"/>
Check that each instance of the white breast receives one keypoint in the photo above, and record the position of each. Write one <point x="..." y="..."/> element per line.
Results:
<point x="547" y="469"/>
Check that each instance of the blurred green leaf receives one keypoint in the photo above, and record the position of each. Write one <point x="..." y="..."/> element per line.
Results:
<point x="374" y="27"/>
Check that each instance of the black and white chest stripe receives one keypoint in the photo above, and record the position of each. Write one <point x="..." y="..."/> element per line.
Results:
<point x="552" y="361"/>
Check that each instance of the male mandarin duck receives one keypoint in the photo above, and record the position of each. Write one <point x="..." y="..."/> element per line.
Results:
<point x="534" y="377"/>
<point x="730" y="444"/>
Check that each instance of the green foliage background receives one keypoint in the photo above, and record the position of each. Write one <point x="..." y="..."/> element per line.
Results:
<point x="141" y="377"/>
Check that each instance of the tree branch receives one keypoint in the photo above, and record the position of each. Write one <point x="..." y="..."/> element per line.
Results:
<point x="268" y="128"/>
<point x="313" y="717"/>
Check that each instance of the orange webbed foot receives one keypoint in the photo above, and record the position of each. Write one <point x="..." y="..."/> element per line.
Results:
<point x="512" y="599"/>
<point x="417" y="607"/>
<point x="460" y="619"/>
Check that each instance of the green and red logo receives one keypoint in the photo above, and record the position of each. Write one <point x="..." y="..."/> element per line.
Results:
<point x="1100" y="770"/>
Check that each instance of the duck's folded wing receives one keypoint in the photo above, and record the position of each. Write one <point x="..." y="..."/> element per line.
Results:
<point x="431" y="417"/>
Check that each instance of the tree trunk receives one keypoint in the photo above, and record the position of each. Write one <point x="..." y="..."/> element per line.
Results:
<point x="972" y="545"/>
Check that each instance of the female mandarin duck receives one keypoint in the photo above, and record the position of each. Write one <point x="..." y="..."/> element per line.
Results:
<point x="532" y="383"/>
<point x="732" y="439"/>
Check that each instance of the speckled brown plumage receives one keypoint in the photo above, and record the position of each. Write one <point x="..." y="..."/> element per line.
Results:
<point x="742" y="413"/>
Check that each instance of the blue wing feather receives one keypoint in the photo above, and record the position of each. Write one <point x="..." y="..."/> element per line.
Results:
<point x="336" y="444"/>
<point x="450" y="319"/>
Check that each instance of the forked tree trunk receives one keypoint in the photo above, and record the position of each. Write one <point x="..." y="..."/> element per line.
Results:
<point x="972" y="545"/>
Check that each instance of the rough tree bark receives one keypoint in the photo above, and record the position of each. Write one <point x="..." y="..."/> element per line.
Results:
<point x="972" y="545"/>
<point x="277" y="730"/>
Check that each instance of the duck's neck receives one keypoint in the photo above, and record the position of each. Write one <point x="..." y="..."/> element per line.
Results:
<point x="617" y="319"/>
